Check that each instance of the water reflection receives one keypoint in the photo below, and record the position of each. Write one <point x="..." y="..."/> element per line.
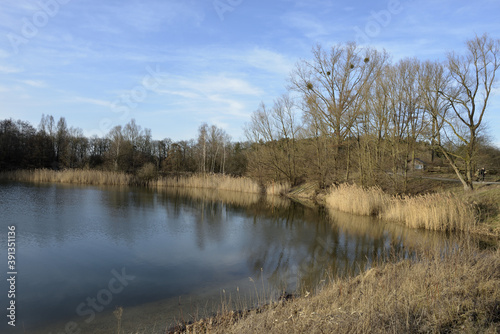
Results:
<point x="178" y="241"/>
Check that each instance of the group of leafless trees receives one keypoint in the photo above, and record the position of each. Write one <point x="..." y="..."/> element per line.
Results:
<point x="350" y="113"/>
<point x="128" y="148"/>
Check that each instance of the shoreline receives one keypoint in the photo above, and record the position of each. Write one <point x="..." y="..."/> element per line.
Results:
<point x="483" y="214"/>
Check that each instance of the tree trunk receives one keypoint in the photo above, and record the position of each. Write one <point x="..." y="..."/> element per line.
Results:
<point x="466" y="183"/>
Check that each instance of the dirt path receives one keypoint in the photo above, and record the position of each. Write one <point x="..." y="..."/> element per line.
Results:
<point x="454" y="180"/>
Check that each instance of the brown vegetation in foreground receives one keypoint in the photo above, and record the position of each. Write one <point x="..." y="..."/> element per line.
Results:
<point x="439" y="211"/>
<point x="453" y="291"/>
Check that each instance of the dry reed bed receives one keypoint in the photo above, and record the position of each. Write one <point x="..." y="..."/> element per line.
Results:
<point x="97" y="177"/>
<point x="228" y="197"/>
<point x="92" y="177"/>
<point x="454" y="291"/>
<point x="209" y="181"/>
<point x="357" y="200"/>
<point x="440" y="212"/>
<point x="277" y="189"/>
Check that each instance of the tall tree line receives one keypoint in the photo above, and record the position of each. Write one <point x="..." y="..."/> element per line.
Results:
<point x="125" y="148"/>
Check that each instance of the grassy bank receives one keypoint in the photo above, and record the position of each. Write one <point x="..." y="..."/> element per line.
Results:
<point x="457" y="291"/>
<point x="444" y="211"/>
<point x="486" y="200"/>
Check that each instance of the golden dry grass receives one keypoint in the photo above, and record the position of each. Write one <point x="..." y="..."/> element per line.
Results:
<point x="204" y="194"/>
<point x="277" y="188"/>
<point x="208" y="181"/>
<point x="454" y="291"/>
<point x="486" y="201"/>
<point x="97" y="177"/>
<point x="357" y="200"/>
<point x="92" y="177"/>
<point x="439" y="212"/>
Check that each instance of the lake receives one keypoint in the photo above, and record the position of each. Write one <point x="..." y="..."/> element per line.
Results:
<point x="83" y="251"/>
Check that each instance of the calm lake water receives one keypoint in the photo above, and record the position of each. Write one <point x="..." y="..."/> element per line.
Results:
<point x="83" y="251"/>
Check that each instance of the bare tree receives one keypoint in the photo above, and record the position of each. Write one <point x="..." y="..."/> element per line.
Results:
<point x="78" y="147"/>
<point x="202" y="146"/>
<point x="473" y="75"/>
<point x="433" y="79"/>
<point x="276" y="132"/>
<point x="215" y="146"/>
<point x="226" y="144"/>
<point x="62" y="143"/>
<point x="116" y="139"/>
<point x="374" y="144"/>
<point x="406" y="119"/>
<point x="318" y="148"/>
<point x="338" y="81"/>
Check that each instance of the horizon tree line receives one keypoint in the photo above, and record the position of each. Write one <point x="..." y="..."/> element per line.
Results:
<point x="125" y="148"/>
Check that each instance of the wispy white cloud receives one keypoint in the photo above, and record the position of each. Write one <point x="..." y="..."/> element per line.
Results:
<point x="3" y="53"/>
<point x="206" y="85"/>
<point x="183" y="94"/>
<point x="234" y="107"/>
<point x="223" y="84"/>
<point x="269" y="61"/>
<point x="100" y="23"/>
<point x="97" y="102"/>
<point x="13" y="12"/>
<point x="313" y="4"/>
<point x="20" y="5"/>
<point x="306" y="23"/>
<point x="150" y="16"/>
<point x="34" y="83"/>
<point x="10" y="69"/>
<point x="218" y="96"/>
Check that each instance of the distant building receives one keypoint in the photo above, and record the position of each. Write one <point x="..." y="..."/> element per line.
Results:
<point x="417" y="164"/>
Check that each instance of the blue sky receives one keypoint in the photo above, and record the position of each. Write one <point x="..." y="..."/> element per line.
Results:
<point x="174" y="64"/>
